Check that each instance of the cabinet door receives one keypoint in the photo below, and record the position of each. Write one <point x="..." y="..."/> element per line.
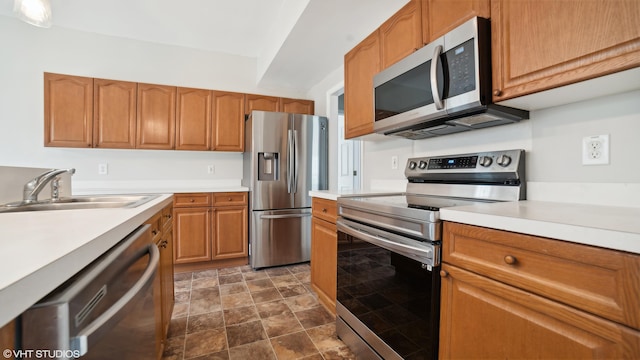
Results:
<point x="114" y="114"/>
<point x="442" y="16"/>
<point x="228" y="121"/>
<point x="166" y="278"/>
<point x="193" y="119"/>
<point x="539" y="45"/>
<point x="156" y="117"/>
<point x="261" y="102"/>
<point x="401" y="34"/>
<point x="360" y="65"/>
<point x="192" y="235"/>
<point x="481" y="318"/>
<point x="230" y="232"/>
<point x="68" y="110"/>
<point x="297" y="106"/>
<point x="324" y="261"/>
<point x="8" y="339"/>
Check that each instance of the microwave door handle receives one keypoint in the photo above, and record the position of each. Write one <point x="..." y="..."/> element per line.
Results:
<point x="437" y="100"/>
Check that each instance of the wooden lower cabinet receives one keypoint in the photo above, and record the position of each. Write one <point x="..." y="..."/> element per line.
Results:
<point x="211" y="230"/>
<point x="192" y="234"/>
<point x="482" y="318"/>
<point x="163" y="295"/>
<point x="324" y="251"/>
<point x="230" y="225"/>
<point x="8" y="339"/>
<point x="508" y="295"/>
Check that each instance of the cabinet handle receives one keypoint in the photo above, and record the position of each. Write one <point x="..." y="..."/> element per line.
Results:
<point x="510" y="259"/>
<point x="497" y="92"/>
<point x="229" y="199"/>
<point x="443" y="273"/>
<point x="324" y="210"/>
<point x="191" y="200"/>
<point x="154" y="232"/>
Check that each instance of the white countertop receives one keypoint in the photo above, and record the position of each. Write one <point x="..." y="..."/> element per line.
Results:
<point x="335" y="194"/>
<point x="41" y="250"/>
<point x="609" y="227"/>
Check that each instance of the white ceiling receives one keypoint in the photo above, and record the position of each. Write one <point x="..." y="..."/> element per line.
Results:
<point x="296" y="42"/>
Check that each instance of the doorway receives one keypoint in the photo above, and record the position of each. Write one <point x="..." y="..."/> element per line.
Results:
<point x="349" y="153"/>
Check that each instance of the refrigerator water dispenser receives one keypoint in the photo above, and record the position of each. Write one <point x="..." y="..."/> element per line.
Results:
<point x="268" y="164"/>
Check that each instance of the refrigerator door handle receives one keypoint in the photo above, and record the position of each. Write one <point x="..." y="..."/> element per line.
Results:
<point x="285" y="216"/>
<point x="295" y="162"/>
<point x="290" y="158"/>
<point x="114" y="314"/>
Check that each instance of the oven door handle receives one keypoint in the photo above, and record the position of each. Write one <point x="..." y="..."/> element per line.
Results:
<point x="375" y="237"/>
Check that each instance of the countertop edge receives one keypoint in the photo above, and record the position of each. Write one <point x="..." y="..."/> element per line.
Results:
<point x="33" y="287"/>
<point x="600" y="237"/>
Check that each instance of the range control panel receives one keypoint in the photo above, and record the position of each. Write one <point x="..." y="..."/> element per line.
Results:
<point x="508" y="164"/>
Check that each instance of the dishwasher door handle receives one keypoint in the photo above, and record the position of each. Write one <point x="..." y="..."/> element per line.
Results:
<point x="114" y="314"/>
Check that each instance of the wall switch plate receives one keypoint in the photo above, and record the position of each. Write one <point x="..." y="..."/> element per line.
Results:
<point x="103" y="169"/>
<point x="595" y="150"/>
<point x="394" y="162"/>
<point x="211" y="169"/>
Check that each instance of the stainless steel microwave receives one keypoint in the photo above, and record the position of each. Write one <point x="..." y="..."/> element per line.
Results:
<point x="442" y="88"/>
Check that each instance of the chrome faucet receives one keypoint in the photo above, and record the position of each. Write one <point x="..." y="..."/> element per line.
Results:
<point x="35" y="185"/>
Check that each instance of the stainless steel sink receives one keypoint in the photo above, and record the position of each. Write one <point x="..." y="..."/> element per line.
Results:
<point x="80" y="202"/>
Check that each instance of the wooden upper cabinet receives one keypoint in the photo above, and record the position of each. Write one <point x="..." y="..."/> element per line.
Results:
<point x="193" y="119"/>
<point x="360" y="65"/>
<point x="228" y="121"/>
<point x="297" y="106"/>
<point x="401" y="34"/>
<point x="114" y="114"/>
<point x="539" y="45"/>
<point x="442" y="16"/>
<point x="156" y="117"/>
<point x="68" y="110"/>
<point x="261" y="102"/>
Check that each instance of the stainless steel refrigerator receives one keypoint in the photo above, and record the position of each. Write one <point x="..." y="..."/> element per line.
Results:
<point x="285" y="156"/>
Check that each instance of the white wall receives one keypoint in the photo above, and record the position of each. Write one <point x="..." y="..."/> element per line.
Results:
<point x="28" y="51"/>
<point x="552" y="138"/>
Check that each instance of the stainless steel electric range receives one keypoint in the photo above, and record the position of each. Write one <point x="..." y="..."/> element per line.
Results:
<point x="388" y="296"/>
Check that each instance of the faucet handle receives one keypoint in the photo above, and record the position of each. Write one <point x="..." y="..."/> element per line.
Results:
<point x="55" y="189"/>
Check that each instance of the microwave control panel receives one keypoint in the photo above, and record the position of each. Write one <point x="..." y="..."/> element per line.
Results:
<point x="461" y="68"/>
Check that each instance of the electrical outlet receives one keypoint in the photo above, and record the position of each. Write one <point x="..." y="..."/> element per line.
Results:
<point x="211" y="169"/>
<point x="103" y="169"/>
<point x="394" y="162"/>
<point x="595" y="150"/>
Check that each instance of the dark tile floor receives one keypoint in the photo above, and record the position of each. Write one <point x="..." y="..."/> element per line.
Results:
<point x="239" y="313"/>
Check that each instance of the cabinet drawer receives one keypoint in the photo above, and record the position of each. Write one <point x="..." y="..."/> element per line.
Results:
<point x="156" y="226"/>
<point x="193" y="199"/>
<point x="167" y="216"/>
<point x="229" y="198"/>
<point x="325" y="209"/>
<point x="600" y="281"/>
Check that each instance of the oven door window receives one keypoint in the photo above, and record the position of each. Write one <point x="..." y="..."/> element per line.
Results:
<point x="394" y="296"/>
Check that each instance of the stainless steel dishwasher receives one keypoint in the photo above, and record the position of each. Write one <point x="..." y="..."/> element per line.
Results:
<point x="105" y="311"/>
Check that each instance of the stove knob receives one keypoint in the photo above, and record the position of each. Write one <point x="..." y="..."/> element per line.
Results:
<point x="412" y="165"/>
<point x="422" y="165"/>
<point x="503" y="160"/>
<point x="485" y="161"/>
